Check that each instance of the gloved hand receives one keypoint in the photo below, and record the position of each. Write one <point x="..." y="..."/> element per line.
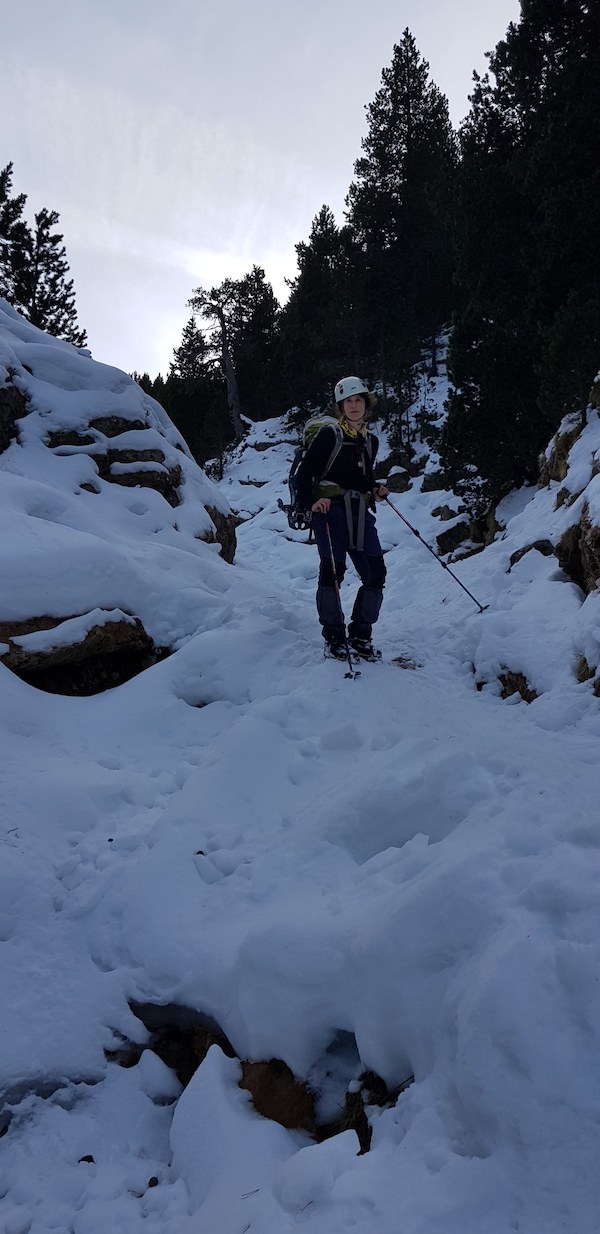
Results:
<point x="380" y="492"/>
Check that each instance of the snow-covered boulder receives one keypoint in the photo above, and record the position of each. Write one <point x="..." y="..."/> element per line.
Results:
<point x="98" y="493"/>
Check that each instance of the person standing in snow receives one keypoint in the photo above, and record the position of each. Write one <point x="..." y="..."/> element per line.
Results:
<point x="342" y="500"/>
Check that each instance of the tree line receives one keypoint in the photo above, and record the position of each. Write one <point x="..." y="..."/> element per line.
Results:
<point x="34" y="271"/>
<point x="492" y="229"/>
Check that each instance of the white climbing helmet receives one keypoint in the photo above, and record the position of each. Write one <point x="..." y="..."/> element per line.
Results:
<point x="351" y="385"/>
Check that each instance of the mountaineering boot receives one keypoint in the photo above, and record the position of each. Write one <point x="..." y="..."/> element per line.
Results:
<point x="364" y="649"/>
<point x="335" y="649"/>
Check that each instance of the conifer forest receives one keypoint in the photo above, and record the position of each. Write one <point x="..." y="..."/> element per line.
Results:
<point x="491" y="232"/>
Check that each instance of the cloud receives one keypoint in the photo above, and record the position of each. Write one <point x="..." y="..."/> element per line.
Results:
<point x="184" y="143"/>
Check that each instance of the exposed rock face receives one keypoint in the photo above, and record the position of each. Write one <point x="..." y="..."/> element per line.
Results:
<point x="540" y="546"/>
<point x="398" y="482"/>
<point x="516" y="683"/>
<point x="589" y="547"/>
<point x="403" y="458"/>
<point x="144" y="467"/>
<point x="278" y="1095"/>
<point x="130" y="466"/>
<point x="12" y="407"/>
<point x="433" y="482"/>
<point x="448" y="540"/>
<point x="556" y="464"/>
<point x="224" y="534"/>
<point x="108" y="426"/>
<point x="445" y="513"/>
<point x="182" y="1037"/>
<point x="84" y="662"/>
<point x="578" y="552"/>
<point x="79" y="609"/>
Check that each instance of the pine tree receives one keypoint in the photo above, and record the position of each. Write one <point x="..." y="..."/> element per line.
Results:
<point x="318" y="335"/>
<point x="244" y="314"/>
<point x="13" y="234"/>
<point x="190" y="358"/>
<point x="41" y="283"/>
<point x="252" y="330"/>
<point x="218" y="306"/>
<point x="193" y="396"/>
<point x="528" y="244"/>
<point x="399" y="210"/>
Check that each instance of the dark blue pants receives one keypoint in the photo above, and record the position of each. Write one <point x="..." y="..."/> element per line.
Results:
<point x="368" y="563"/>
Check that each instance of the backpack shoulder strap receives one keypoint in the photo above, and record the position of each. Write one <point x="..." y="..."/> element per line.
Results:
<point x="313" y="427"/>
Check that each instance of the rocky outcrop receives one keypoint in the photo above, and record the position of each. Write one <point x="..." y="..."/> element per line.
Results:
<point x="403" y="458"/>
<point x="539" y="546"/>
<point x="578" y="552"/>
<point x="449" y="540"/>
<point x="224" y="533"/>
<point x="433" y="482"/>
<point x="277" y="1094"/>
<point x="130" y="466"/>
<point x="516" y="683"/>
<point x="13" y="407"/>
<point x="589" y="548"/>
<point x="398" y="481"/>
<point x="555" y="464"/>
<point x="587" y="672"/>
<point x="179" y="1035"/>
<point x="182" y="1037"/>
<point x="445" y="513"/>
<point x="75" y="655"/>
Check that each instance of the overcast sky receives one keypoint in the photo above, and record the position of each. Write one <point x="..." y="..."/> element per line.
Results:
<point x="181" y="142"/>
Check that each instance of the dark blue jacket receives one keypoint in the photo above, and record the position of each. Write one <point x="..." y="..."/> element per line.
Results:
<point x="351" y="469"/>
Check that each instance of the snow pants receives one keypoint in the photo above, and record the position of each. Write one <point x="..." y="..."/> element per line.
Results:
<point x="368" y="563"/>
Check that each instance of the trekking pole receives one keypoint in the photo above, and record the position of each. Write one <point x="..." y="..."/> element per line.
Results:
<point x="481" y="607"/>
<point x="353" y="672"/>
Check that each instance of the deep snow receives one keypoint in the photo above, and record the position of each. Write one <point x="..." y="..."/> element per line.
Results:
<point x="406" y="864"/>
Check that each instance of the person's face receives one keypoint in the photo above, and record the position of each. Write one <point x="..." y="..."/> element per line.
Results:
<point x="354" y="408"/>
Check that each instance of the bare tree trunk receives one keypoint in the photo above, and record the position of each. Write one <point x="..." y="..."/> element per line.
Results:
<point x="233" y="396"/>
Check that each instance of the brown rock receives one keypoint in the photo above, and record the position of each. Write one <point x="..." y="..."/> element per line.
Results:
<point x="69" y="437"/>
<point x="540" y="546"/>
<point x="224" y="533"/>
<point x="433" y="482"/>
<point x="555" y="467"/>
<point x="13" y="406"/>
<point x="516" y="683"/>
<point x="166" y="482"/>
<point x="278" y="1095"/>
<point x="445" y="513"/>
<point x="590" y="550"/>
<point x="106" y="656"/>
<point x="568" y="552"/>
<point x="113" y="426"/>
<point x="448" y="540"/>
<point x="578" y="552"/>
<point x="398" y="482"/>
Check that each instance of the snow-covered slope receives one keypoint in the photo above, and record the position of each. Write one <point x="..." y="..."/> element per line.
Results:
<point x="397" y="873"/>
<point x="75" y="536"/>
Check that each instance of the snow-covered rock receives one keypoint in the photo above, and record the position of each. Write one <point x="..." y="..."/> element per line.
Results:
<point x="99" y="492"/>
